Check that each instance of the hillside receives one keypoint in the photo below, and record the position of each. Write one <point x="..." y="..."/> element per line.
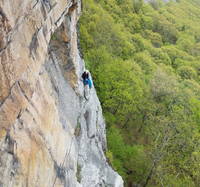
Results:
<point x="145" y="61"/>
<point x="50" y="135"/>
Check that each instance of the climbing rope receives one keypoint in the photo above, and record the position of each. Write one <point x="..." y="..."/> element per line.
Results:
<point x="66" y="155"/>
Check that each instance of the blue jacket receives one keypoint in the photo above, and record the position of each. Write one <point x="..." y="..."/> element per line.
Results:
<point x="87" y="82"/>
<point x="90" y="83"/>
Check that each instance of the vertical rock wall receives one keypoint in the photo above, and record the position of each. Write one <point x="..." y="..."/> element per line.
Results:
<point x="50" y="135"/>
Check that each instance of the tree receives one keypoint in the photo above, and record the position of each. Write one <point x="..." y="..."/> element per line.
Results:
<point x="187" y="72"/>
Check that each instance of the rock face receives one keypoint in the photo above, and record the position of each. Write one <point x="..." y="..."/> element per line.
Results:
<point x="50" y="135"/>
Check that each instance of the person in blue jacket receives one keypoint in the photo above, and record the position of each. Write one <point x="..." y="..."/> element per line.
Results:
<point x="87" y="84"/>
<point x="86" y="79"/>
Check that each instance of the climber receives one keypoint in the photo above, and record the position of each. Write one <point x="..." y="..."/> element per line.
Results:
<point x="87" y="84"/>
<point x="86" y="79"/>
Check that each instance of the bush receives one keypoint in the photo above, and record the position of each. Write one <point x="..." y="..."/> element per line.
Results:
<point x="187" y="72"/>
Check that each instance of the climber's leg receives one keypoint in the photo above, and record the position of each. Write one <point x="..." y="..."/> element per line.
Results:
<point x="86" y="91"/>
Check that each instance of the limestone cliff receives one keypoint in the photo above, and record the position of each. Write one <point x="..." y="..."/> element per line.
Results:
<point x="49" y="134"/>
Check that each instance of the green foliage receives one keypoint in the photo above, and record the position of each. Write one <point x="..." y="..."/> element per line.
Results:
<point x="163" y="85"/>
<point x="145" y="59"/>
<point x="109" y="156"/>
<point x="78" y="173"/>
<point x="155" y="38"/>
<point x="156" y="4"/>
<point x="166" y="29"/>
<point x="172" y="180"/>
<point x="128" y="159"/>
<point x="54" y="37"/>
<point x="137" y="5"/>
<point x="77" y="131"/>
<point x="187" y="72"/>
<point x="186" y="42"/>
